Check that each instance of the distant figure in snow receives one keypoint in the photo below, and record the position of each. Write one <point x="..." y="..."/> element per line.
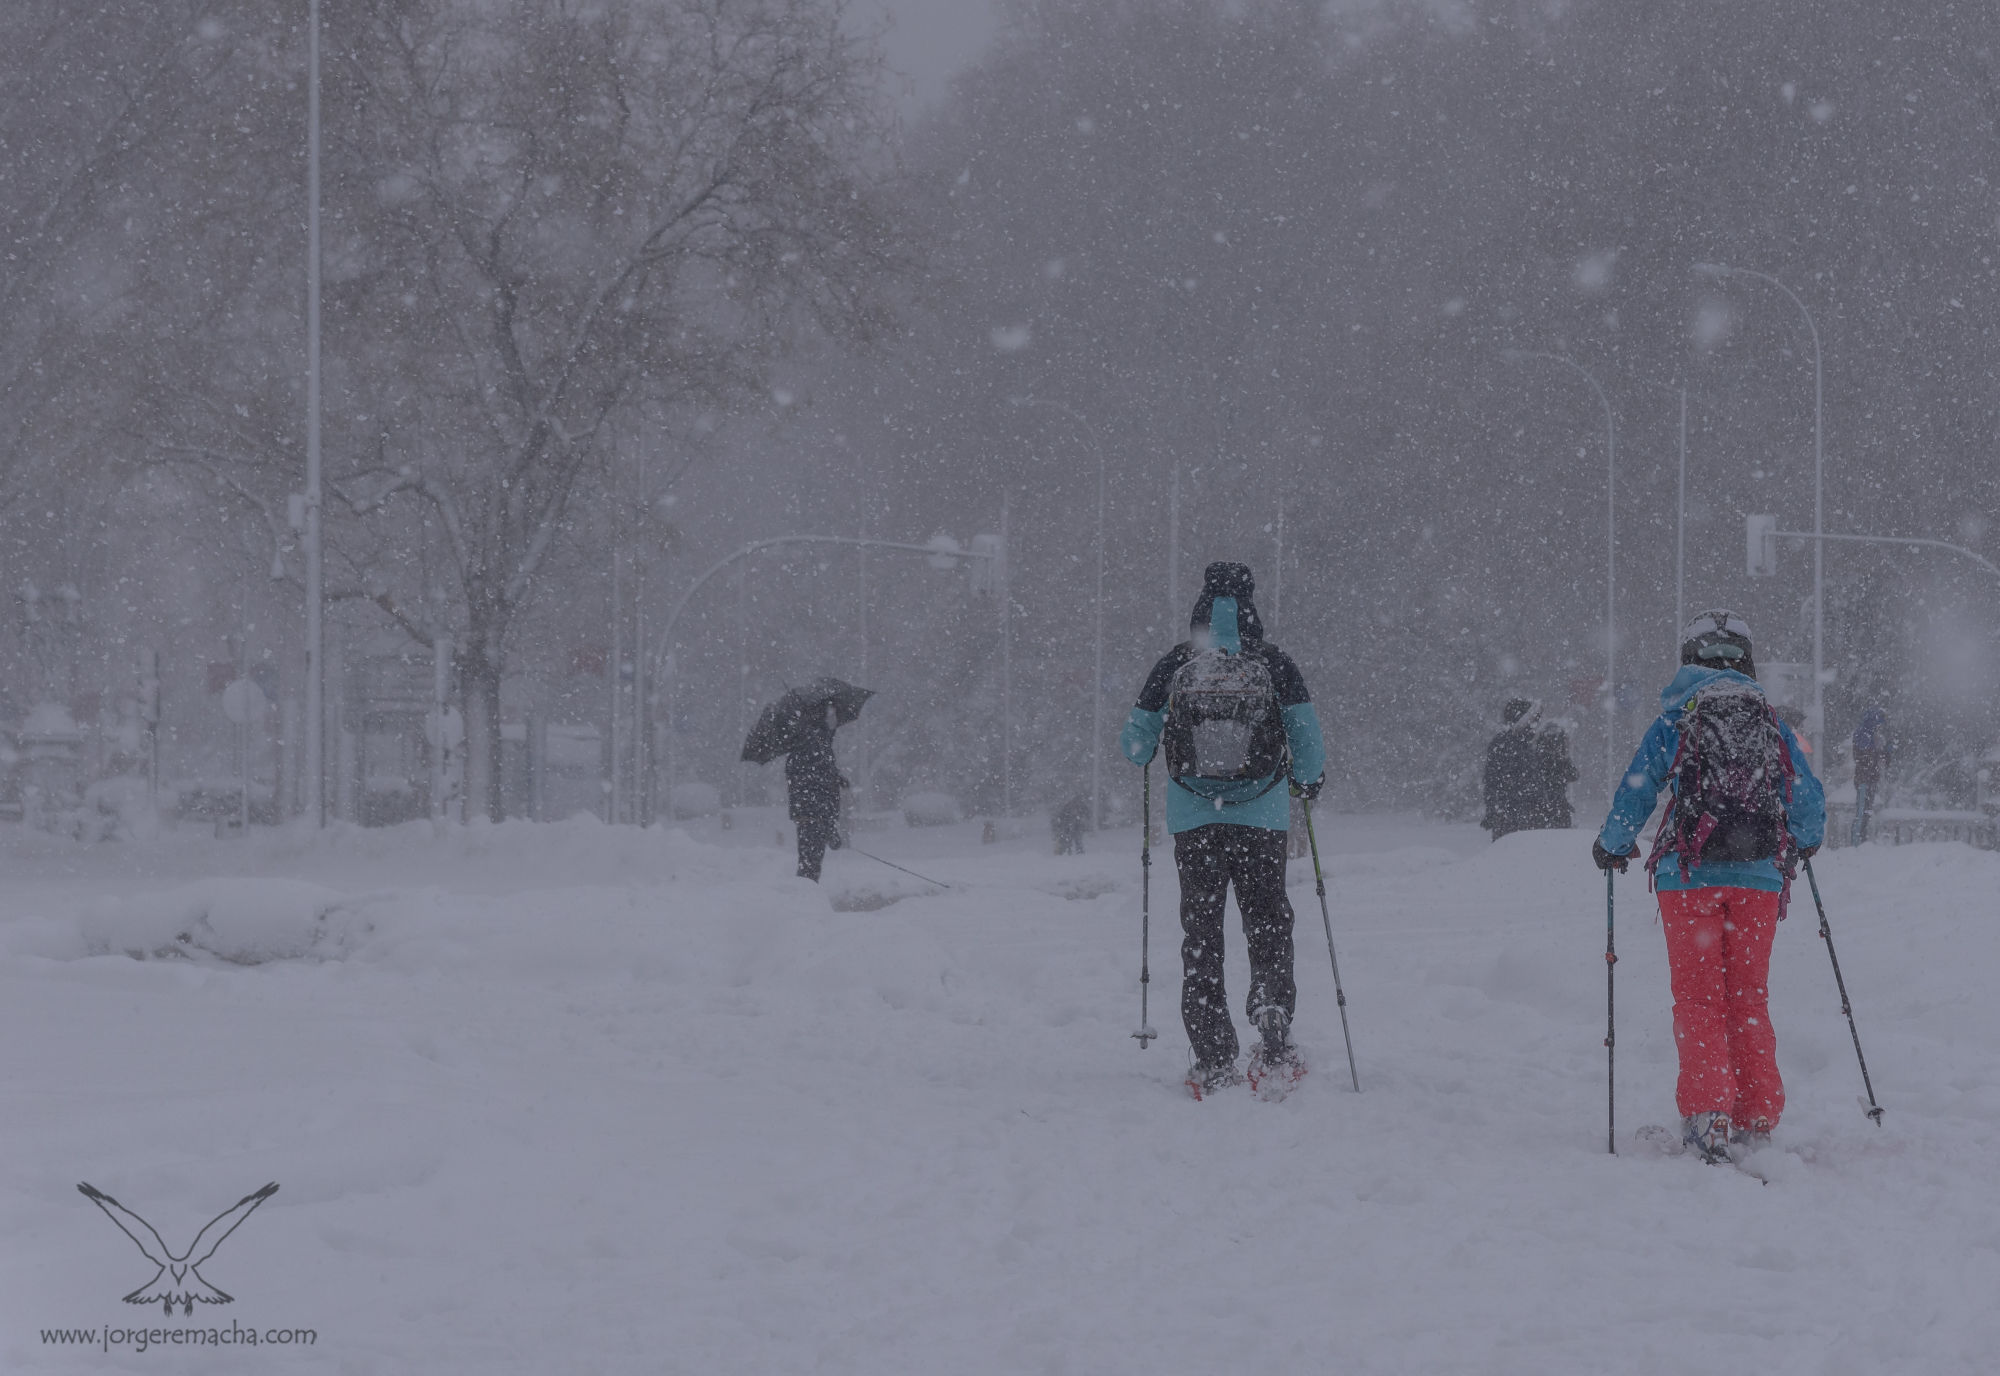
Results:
<point x="1239" y="726"/>
<point x="1873" y="750"/>
<point x="1743" y="811"/>
<point x="813" y="782"/>
<point x="1066" y="825"/>
<point x="1528" y="773"/>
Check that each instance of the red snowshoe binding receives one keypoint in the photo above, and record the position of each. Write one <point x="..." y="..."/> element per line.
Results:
<point x="1275" y="1066"/>
<point x="1204" y="1079"/>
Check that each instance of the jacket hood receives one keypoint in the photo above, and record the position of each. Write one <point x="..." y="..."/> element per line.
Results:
<point x="1691" y="678"/>
<point x="1233" y="583"/>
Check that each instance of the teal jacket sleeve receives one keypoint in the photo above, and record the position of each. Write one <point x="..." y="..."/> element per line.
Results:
<point x="1806" y="816"/>
<point x="1308" y="746"/>
<point x="1141" y="736"/>
<point x="1633" y="803"/>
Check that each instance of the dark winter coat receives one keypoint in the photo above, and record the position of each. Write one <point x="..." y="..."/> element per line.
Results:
<point x="812" y="778"/>
<point x="1872" y="748"/>
<point x="1528" y="773"/>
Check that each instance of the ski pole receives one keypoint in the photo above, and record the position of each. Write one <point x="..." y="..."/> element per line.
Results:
<point x="1339" y="994"/>
<point x="1145" y="1034"/>
<point x="1610" y="1014"/>
<point x="1826" y="934"/>
<point x="894" y="866"/>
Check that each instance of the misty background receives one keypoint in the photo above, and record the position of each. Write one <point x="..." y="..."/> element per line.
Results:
<point x="616" y="288"/>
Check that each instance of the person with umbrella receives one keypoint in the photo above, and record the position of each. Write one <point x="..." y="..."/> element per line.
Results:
<point x="800" y="726"/>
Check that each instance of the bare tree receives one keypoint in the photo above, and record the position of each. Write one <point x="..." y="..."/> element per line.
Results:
<point x="96" y="106"/>
<point x="546" y="216"/>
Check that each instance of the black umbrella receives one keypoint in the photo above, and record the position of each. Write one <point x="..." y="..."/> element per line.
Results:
<point x="844" y="697"/>
<point x="782" y="725"/>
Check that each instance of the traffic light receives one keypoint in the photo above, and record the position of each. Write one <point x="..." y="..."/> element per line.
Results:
<point x="989" y="575"/>
<point x="1761" y="534"/>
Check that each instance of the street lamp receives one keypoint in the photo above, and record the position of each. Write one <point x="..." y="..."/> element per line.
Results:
<point x="1097" y="687"/>
<point x="1611" y="764"/>
<point x="1763" y="536"/>
<point x="1816" y="728"/>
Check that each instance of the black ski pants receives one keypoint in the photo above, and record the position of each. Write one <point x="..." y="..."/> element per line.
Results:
<point x="1210" y="859"/>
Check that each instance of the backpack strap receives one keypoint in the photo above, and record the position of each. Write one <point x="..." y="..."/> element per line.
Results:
<point x="1688" y="848"/>
<point x="1662" y="841"/>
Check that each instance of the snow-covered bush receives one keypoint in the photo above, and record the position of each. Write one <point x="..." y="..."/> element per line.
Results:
<point x="117" y="809"/>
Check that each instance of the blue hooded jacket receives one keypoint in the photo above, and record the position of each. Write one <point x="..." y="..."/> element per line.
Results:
<point x="1648" y="774"/>
<point x="1225" y="619"/>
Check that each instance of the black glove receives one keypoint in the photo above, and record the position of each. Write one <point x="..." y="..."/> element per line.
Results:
<point x="1309" y="792"/>
<point x="1605" y="860"/>
<point x="1807" y="852"/>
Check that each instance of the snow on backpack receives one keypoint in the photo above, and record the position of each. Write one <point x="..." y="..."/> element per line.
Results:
<point x="1732" y="781"/>
<point x="1224" y="726"/>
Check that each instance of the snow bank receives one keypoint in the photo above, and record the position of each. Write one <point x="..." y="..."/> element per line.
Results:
<point x="580" y="1098"/>
<point x="241" y="921"/>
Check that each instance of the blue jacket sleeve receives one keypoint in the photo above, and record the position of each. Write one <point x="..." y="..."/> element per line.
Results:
<point x="1308" y="746"/>
<point x="1141" y="736"/>
<point x="1806" y="817"/>
<point x="1633" y="803"/>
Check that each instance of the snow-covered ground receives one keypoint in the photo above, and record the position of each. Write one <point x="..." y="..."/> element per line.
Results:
<point x="577" y="1099"/>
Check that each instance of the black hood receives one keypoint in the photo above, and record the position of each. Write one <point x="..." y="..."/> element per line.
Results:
<point x="1228" y="580"/>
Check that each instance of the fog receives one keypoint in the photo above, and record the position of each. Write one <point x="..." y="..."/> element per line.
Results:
<point x="1396" y="303"/>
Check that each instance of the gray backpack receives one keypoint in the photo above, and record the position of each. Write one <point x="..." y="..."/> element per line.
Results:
<point x="1224" y="726"/>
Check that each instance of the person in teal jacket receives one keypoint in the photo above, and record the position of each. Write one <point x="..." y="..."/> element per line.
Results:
<point x="1718" y="916"/>
<point x="1233" y="834"/>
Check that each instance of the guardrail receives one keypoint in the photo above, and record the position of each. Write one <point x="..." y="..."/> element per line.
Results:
<point x="1899" y="826"/>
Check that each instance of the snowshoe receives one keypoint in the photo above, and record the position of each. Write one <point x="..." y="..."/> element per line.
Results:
<point x="1754" y="1135"/>
<point x="1657" y="1139"/>
<point x="1272" y="1077"/>
<point x="1204" y="1078"/>
<point x="1707" y="1135"/>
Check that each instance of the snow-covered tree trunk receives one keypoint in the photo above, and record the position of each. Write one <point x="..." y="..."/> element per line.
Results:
<point x="479" y="680"/>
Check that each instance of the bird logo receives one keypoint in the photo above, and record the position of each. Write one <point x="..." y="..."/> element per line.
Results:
<point x="178" y="1281"/>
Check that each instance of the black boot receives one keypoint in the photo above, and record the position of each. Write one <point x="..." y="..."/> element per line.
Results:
<point x="1275" y="1026"/>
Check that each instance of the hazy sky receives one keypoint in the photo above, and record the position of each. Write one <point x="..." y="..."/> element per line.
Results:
<point x="930" y="39"/>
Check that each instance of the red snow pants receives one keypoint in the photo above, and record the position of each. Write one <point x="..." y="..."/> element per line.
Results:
<point x="1718" y="961"/>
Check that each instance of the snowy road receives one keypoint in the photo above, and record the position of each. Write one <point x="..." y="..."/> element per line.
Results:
<point x="573" y="1099"/>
